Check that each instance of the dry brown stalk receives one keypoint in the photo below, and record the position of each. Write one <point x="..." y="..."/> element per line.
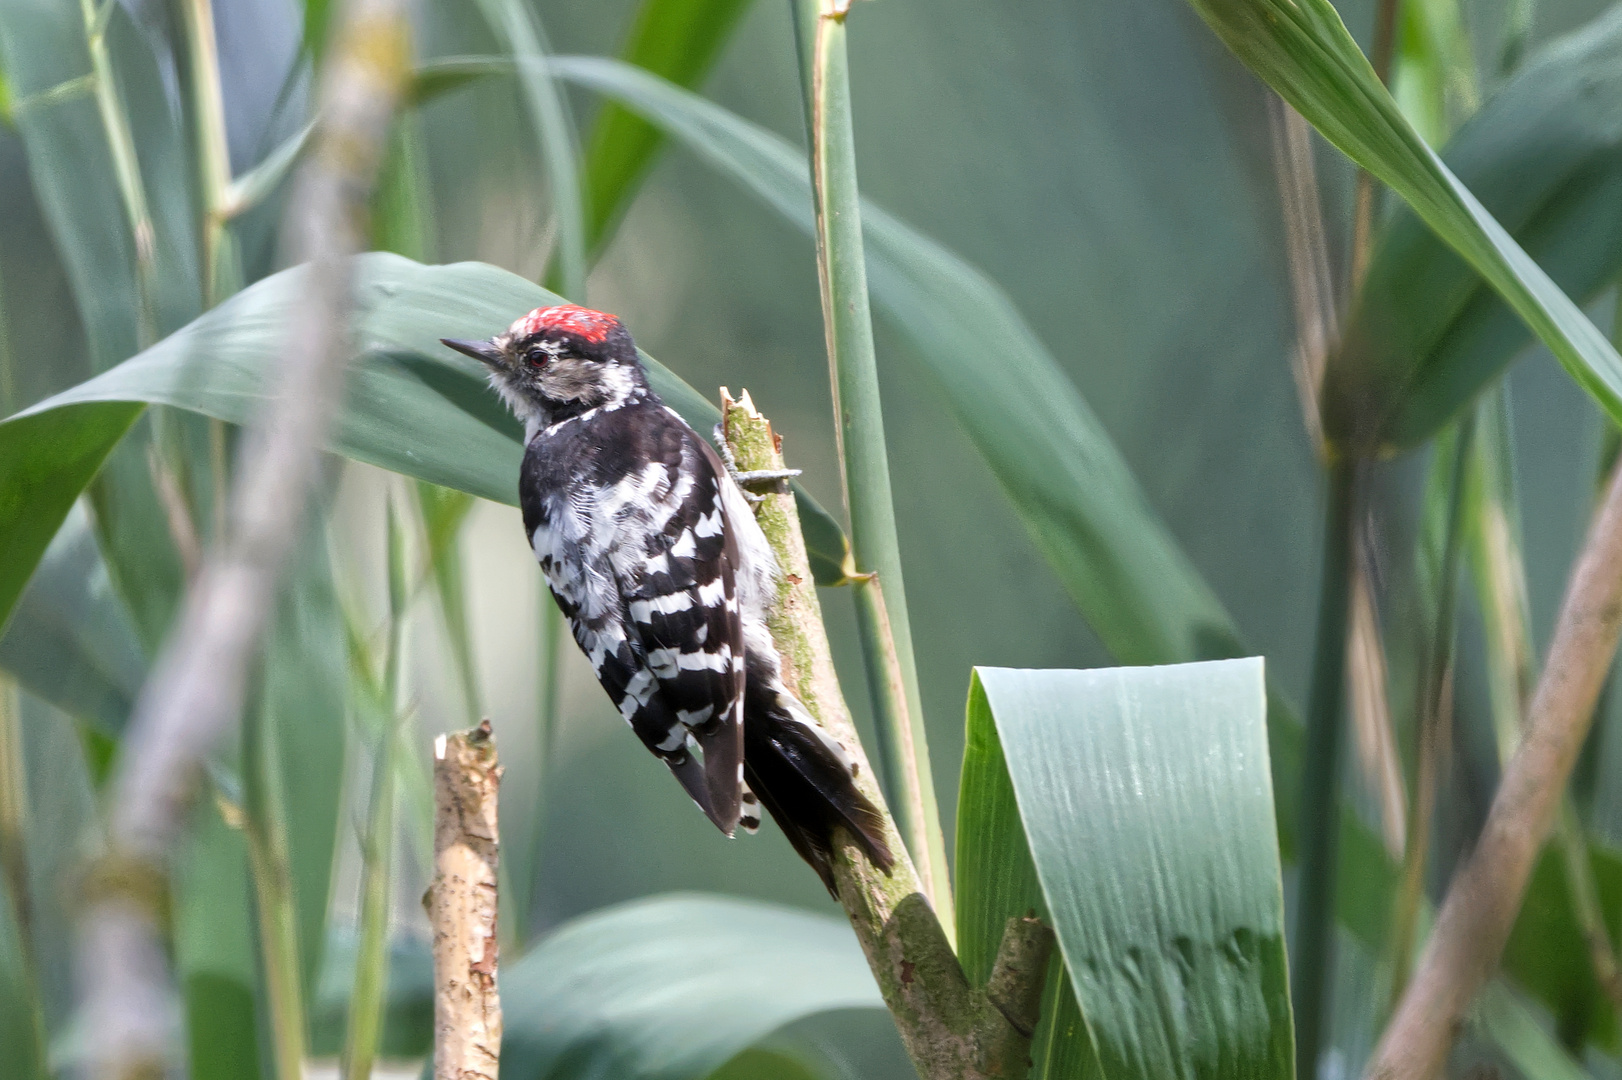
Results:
<point x="462" y="906"/>
<point x="953" y="1031"/>
<point x="1486" y="893"/>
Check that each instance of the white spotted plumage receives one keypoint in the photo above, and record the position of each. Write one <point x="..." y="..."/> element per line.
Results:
<point x="654" y="556"/>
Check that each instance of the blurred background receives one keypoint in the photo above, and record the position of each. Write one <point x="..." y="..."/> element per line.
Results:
<point x="1108" y="165"/>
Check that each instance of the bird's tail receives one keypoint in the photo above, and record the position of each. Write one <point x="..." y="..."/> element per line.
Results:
<point x="804" y="778"/>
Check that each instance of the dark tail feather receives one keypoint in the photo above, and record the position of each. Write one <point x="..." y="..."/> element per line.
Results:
<point x="807" y="789"/>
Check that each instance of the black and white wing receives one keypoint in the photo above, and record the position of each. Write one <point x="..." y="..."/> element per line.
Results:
<point x="642" y="565"/>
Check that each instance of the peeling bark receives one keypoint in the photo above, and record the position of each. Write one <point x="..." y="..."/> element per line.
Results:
<point x="462" y="907"/>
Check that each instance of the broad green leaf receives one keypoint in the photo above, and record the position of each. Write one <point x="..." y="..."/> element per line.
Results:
<point x="1498" y="1016"/>
<point x="1302" y="50"/>
<point x="44" y="464"/>
<point x="1548" y="953"/>
<point x="673" y="987"/>
<point x="1544" y="155"/>
<point x="404" y="385"/>
<point x="1147" y="804"/>
<point x="127" y="291"/>
<point x="678" y="40"/>
<point x="997" y="881"/>
<point x="214" y="948"/>
<point x="305" y="691"/>
<point x="70" y="640"/>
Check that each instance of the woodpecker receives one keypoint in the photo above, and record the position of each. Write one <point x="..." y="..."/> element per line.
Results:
<point x="649" y="546"/>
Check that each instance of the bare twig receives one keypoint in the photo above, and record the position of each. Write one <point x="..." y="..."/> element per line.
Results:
<point x="952" y="1030"/>
<point x="462" y="906"/>
<point x="1486" y="893"/>
<point x="197" y="688"/>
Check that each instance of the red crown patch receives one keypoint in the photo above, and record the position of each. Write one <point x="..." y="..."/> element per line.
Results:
<point x="593" y="326"/>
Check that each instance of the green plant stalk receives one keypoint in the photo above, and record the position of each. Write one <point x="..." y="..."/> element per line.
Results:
<point x="126" y="165"/>
<point x="366" y="1001"/>
<point x="1434" y="708"/>
<point x="1500" y="575"/>
<point x="272" y="873"/>
<point x="515" y="24"/>
<point x="881" y="598"/>
<point x="14" y="856"/>
<point x="221" y="276"/>
<point x="1319" y="817"/>
<point x="679" y="42"/>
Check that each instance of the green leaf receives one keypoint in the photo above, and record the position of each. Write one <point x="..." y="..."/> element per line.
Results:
<point x="514" y="22"/>
<point x="997" y="881"/>
<point x="1146" y="801"/>
<point x="403" y="383"/>
<point x="678" y="40"/>
<point x="673" y="987"/>
<point x="305" y="692"/>
<point x="1533" y="1051"/>
<point x="127" y="292"/>
<point x="214" y="948"/>
<point x="47" y="462"/>
<point x="1544" y="155"/>
<point x="1302" y="50"/>
<point x="70" y="640"/>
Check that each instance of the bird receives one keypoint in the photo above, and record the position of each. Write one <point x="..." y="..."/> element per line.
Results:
<point x="649" y="546"/>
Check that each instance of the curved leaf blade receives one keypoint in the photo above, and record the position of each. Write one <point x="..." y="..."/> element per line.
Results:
<point x="1302" y="50"/>
<point x="70" y="641"/>
<point x="1146" y="800"/>
<point x="673" y="987"/>
<point x="403" y="383"/>
<point x="678" y="40"/>
<point x="1544" y="155"/>
<point x="997" y="881"/>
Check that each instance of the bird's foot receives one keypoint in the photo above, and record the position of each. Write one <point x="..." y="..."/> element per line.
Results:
<point x="749" y="481"/>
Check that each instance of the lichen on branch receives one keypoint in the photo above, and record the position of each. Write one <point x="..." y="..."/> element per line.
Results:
<point x="952" y="1031"/>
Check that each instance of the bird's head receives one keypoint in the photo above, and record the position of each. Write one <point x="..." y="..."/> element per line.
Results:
<point x="558" y="362"/>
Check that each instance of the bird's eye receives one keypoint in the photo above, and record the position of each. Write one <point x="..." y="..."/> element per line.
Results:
<point x="537" y="357"/>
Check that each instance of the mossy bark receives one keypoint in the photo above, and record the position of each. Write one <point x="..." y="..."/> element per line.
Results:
<point x="953" y="1031"/>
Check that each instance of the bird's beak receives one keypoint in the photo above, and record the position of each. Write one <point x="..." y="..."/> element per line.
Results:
<point x="479" y="350"/>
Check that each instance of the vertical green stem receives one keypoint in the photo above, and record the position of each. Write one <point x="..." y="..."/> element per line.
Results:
<point x="126" y="165"/>
<point x="515" y="23"/>
<point x="14" y="863"/>
<point x="1434" y="708"/>
<point x="220" y="274"/>
<point x="847" y="320"/>
<point x="272" y="873"/>
<point x="366" y="1001"/>
<point x="1320" y="780"/>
